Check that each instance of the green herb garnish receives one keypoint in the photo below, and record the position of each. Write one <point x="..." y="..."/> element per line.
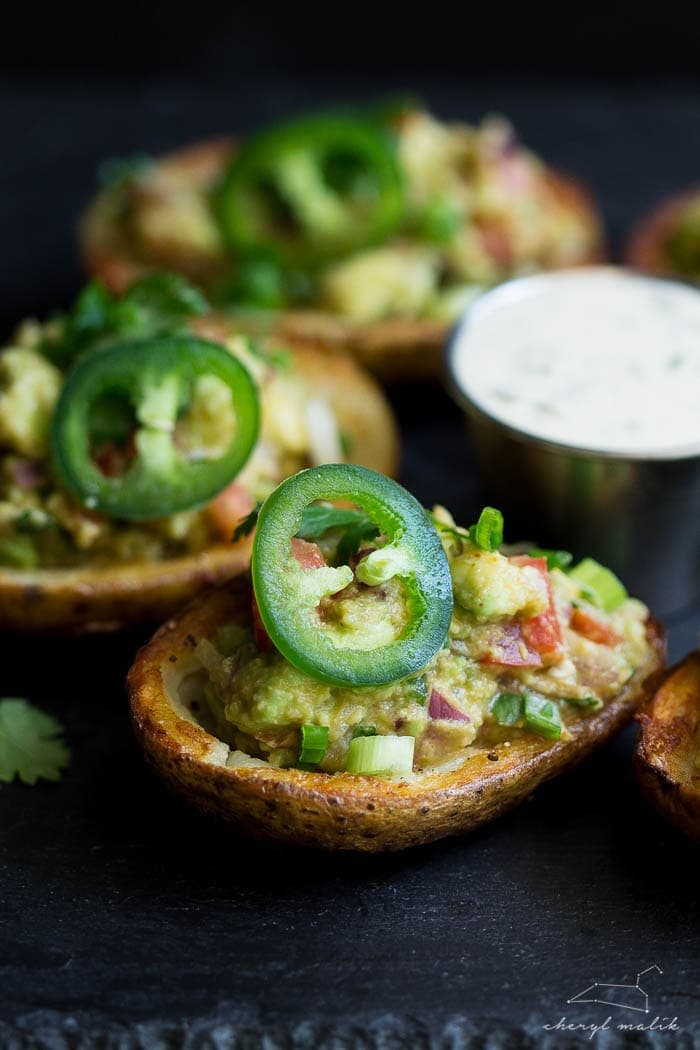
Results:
<point x="119" y="171"/>
<point x="320" y="518"/>
<point x="159" y="304"/>
<point x="276" y="358"/>
<point x="600" y="585"/>
<point x="507" y="708"/>
<point x="363" y="731"/>
<point x="555" y="559"/>
<point x="31" y="745"/>
<point x="587" y="703"/>
<point x="246" y="525"/>
<point x="314" y="743"/>
<point x="18" y="552"/>
<point x="542" y="716"/>
<point x="487" y="534"/>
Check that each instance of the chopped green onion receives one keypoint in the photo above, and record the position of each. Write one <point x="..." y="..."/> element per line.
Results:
<point x="314" y="743"/>
<point x="363" y="731"/>
<point x="542" y="716"/>
<point x="585" y="702"/>
<point x="381" y="755"/>
<point x="602" y="585"/>
<point x="507" y="708"/>
<point x="555" y="559"/>
<point x="18" y="552"/>
<point x="487" y="534"/>
<point x="418" y="688"/>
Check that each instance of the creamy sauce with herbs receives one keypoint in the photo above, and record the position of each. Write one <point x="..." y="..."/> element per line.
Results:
<point x="598" y="359"/>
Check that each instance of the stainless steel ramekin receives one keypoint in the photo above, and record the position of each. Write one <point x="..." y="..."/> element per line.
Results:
<point x="638" y="514"/>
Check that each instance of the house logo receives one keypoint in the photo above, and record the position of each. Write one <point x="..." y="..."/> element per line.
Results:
<point x="625" y="996"/>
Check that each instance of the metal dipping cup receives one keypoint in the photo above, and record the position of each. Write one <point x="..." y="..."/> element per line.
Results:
<point x="638" y="514"/>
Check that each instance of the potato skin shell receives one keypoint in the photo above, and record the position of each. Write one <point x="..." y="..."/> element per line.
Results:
<point x="664" y="758"/>
<point x="396" y="348"/>
<point x="340" y="811"/>
<point x="113" y="597"/>
<point x="646" y="246"/>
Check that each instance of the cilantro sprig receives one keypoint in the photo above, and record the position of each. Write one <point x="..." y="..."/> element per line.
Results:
<point x="159" y="304"/>
<point x="31" y="743"/>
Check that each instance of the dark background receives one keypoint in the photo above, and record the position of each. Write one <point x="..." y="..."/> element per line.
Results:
<point x="237" y="39"/>
<point x="126" y="920"/>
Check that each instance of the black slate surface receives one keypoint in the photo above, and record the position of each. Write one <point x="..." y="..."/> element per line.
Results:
<point x="128" y="921"/>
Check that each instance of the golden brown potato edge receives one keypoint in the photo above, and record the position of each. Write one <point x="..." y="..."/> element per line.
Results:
<point x="342" y="812"/>
<point x="112" y="597"/>
<point x="667" y="747"/>
<point x="396" y="348"/>
<point x="645" y="247"/>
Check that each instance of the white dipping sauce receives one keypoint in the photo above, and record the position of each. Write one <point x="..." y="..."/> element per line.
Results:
<point x="596" y="358"/>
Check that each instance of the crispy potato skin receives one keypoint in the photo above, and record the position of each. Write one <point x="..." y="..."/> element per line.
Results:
<point x="667" y="746"/>
<point x="113" y="597"/>
<point x="396" y="348"/>
<point x="646" y="246"/>
<point x="340" y="811"/>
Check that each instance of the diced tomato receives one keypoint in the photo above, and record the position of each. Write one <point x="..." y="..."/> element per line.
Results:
<point x="114" y="460"/>
<point x="541" y="633"/>
<point x="439" y="707"/>
<point x="261" y="637"/>
<point x="309" y="556"/>
<point x="494" y="240"/>
<point x="593" y="629"/>
<point x="230" y="506"/>
<point x="509" y="649"/>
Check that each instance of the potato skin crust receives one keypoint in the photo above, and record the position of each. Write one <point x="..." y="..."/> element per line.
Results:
<point x="664" y="758"/>
<point x="396" y="348"/>
<point x="340" y="811"/>
<point x="645" y="247"/>
<point x="109" y="598"/>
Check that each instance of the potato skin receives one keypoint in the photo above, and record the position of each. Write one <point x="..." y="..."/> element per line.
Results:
<point x="340" y="811"/>
<point x="667" y="746"/>
<point x="646" y="246"/>
<point x="396" y="348"/>
<point x="116" y="596"/>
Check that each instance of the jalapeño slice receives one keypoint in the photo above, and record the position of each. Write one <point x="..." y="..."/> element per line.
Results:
<point x="312" y="190"/>
<point x="288" y="595"/>
<point x="131" y="397"/>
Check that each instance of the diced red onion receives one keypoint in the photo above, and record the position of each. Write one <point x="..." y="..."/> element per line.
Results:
<point x="440" y="708"/>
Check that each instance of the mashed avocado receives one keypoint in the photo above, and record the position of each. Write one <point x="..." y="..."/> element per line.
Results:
<point x="42" y="526"/>
<point x="510" y="635"/>
<point x="29" y="387"/>
<point x="491" y="587"/>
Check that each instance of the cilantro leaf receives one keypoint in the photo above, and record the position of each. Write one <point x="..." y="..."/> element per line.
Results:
<point x="119" y="171"/>
<point x="276" y="357"/>
<point x="555" y="559"/>
<point x="30" y="743"/>
<point x="246" y="525"/>
<point x="155" y="305"/>
<point x="319" y="518"/>
<point x="507" y="708"/>
<point x="164" y="300"/>
<point x="356" y="527"/>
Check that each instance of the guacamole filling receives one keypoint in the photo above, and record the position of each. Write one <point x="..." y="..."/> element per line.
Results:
<point x="532" y="647"/>
<point x="476" y="208"/>
<point x="44" y="525"/>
